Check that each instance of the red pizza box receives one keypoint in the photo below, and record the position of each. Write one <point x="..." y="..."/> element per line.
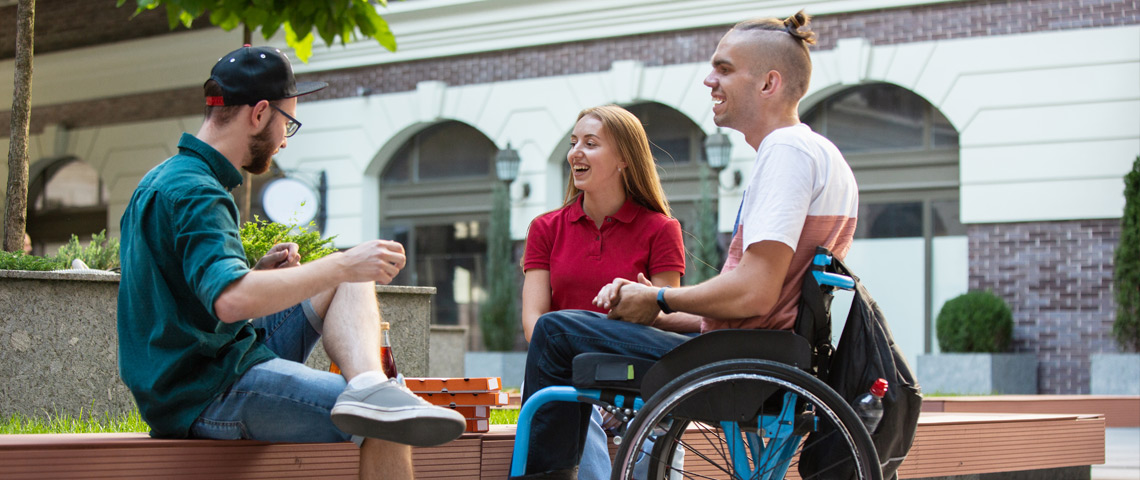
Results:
<point x="478" y="425"/>
<point x="473" y="411"/>
<point x="465" y="399"/>
<point x="453" y="385"/>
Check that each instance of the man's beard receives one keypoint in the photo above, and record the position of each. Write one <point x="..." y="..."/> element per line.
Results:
<point x="261" y="150"/>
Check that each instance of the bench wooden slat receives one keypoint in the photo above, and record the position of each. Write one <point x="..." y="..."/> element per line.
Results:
<point x="946" y="444"/>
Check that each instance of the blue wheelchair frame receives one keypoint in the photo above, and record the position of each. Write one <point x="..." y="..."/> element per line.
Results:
<point x="772" y="459"/>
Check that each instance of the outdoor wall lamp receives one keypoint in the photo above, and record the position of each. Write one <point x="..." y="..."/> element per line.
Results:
<point x="718" y="151"/>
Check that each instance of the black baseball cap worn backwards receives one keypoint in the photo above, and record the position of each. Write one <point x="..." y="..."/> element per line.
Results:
<point x="251" y="74"/>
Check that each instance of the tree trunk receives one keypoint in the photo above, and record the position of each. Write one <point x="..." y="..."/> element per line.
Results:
<point x="247" y="178"/>
<point x="16" y="214"/>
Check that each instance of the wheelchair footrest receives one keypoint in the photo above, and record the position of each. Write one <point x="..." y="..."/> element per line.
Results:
<point x="605" y="371"/>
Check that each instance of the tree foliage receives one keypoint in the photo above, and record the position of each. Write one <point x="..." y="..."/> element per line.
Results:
<point x="1126" y="272"/>
<point x="298" y="18"/>
<point x="704" y="257"/>
<point x="498" y="317"/>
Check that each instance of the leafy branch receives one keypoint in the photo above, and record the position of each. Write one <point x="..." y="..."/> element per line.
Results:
<point x="299" y="18"/>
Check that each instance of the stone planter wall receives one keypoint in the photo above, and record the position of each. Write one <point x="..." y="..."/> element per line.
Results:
<point x="1115" y="373"/>
<point x="448" y="348"/>
<point x="978" y="373"/>
<point x="59" y="345"/>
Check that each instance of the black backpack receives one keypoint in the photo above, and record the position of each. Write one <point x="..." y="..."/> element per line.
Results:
<point x="866" y="351"/>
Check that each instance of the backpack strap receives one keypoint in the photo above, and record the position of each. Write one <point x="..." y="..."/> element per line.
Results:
<point x="813" y="320"/>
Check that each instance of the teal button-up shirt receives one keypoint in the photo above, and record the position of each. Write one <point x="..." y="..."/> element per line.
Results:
<point x="180" y="247"/>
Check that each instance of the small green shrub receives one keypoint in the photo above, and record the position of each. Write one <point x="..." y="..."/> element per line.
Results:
<point x="22" y="261"/>
<point x="258" y="236"/>
<point x="978" y="322"/>
<point x="1126" y="270"/>
<point x="101" y="253"/>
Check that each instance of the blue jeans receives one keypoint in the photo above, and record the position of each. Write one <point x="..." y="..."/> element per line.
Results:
<point x="558" y="431"/>
<point x="280" y="400"/>
<point x="595" y="463"/>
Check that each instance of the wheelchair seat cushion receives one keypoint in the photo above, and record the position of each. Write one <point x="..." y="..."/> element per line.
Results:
<point x="775" y="345"/>
<point x="606" y="371"/>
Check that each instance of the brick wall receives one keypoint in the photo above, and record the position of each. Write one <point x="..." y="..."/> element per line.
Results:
<point x="891" y="26"/>
<point x="67" y="24"/>
<point x="1057" y="278"/>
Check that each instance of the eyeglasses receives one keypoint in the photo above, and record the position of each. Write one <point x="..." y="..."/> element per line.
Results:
<point x="292" y="125"/>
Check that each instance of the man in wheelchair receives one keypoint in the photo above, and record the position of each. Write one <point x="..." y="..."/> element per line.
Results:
<point x="801" y="194"/>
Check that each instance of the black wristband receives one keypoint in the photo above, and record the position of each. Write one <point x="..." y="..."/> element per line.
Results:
<point x="661" y="301"/>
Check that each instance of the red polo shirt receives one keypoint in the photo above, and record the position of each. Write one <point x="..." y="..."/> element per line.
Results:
<point x="582" y="258"/>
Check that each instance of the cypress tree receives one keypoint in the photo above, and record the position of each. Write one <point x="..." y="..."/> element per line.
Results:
<point x="1126" y="328"/>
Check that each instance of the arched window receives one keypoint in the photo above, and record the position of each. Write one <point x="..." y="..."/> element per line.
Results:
<point x="904" y="154"/>
<point x="66" y="197"/>
<point x="675" y="139"/>
<point x="446" y="151"/>
<point x="435" y="199"/>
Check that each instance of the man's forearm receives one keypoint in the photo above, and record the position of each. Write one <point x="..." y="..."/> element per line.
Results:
<point x="679" y="322"/>
<point x="262" y="292"/>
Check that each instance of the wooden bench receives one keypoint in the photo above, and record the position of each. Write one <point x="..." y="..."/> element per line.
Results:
<point x="1118" y="410"/>
<point x="946" y="444"/>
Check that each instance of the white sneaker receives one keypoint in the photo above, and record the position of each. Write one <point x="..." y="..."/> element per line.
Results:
<point x="389" y="411"/>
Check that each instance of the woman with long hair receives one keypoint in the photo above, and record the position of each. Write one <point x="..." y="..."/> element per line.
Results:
<point x="615" y="222"/>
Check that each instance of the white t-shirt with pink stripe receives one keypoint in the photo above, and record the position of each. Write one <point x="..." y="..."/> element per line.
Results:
<point x="801" y="193"/>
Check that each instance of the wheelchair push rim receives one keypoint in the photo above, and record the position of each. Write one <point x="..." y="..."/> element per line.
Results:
<point x="760" y="438"/>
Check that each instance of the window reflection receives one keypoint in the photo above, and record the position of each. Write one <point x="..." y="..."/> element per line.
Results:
<point x="441" y="152"/>
<point x="74" y="184"/>
<point x="881" y="118"/>
<point x="450" y="258"/>
<point x="67" y="197"/>
<point x="672" y="136"/>
<point x="904" y="219"/>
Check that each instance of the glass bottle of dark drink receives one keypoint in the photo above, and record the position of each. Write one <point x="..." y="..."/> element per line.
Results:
<point x="387" y="358"/>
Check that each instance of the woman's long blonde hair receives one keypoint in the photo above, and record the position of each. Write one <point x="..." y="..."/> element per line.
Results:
<point x="640" y="175"/>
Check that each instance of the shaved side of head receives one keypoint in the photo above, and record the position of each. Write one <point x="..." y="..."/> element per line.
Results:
<point x="781" y="45"/>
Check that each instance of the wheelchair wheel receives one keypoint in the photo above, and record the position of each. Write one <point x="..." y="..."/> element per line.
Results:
<point x="746" y="419"/>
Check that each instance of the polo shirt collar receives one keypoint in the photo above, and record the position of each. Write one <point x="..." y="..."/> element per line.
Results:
<point x="626" y="214"/>
<point x="222" y="168"/>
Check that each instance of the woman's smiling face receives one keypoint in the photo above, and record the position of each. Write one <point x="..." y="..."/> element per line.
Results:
<point x="594" y="158"/>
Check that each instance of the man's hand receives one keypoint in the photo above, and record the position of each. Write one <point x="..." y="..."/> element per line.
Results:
<point x="375" y="261"/>
<point x="610" y="294"/>
<point x="634" y="302"/>
<point x="282" y="255"/>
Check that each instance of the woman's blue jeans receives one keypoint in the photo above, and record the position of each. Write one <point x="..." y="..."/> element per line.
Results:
<point x="558" y="431"/>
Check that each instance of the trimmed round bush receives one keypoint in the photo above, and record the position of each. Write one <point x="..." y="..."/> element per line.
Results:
<point x="975" y="322"/>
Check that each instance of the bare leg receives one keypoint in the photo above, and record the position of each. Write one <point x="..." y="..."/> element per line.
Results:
<point x="380" y="459"/>
<point x="351" y="333"/>
<point x="376" y="409"/>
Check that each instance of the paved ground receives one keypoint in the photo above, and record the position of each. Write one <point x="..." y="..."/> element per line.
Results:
<point x="1121" y="455"/>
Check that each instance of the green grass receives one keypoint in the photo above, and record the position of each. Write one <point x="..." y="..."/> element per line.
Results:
<point x="132" y="422"/>
<point x="104" y="423"/>
<point x="504" y="416"/>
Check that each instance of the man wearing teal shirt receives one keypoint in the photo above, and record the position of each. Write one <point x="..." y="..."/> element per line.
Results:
<point x="213" y="349"/>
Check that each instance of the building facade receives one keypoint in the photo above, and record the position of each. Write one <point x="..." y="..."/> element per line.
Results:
<point x="989" y="138"/>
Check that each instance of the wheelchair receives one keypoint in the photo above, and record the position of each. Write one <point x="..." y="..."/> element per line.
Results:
<point x="740" y="404"/>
